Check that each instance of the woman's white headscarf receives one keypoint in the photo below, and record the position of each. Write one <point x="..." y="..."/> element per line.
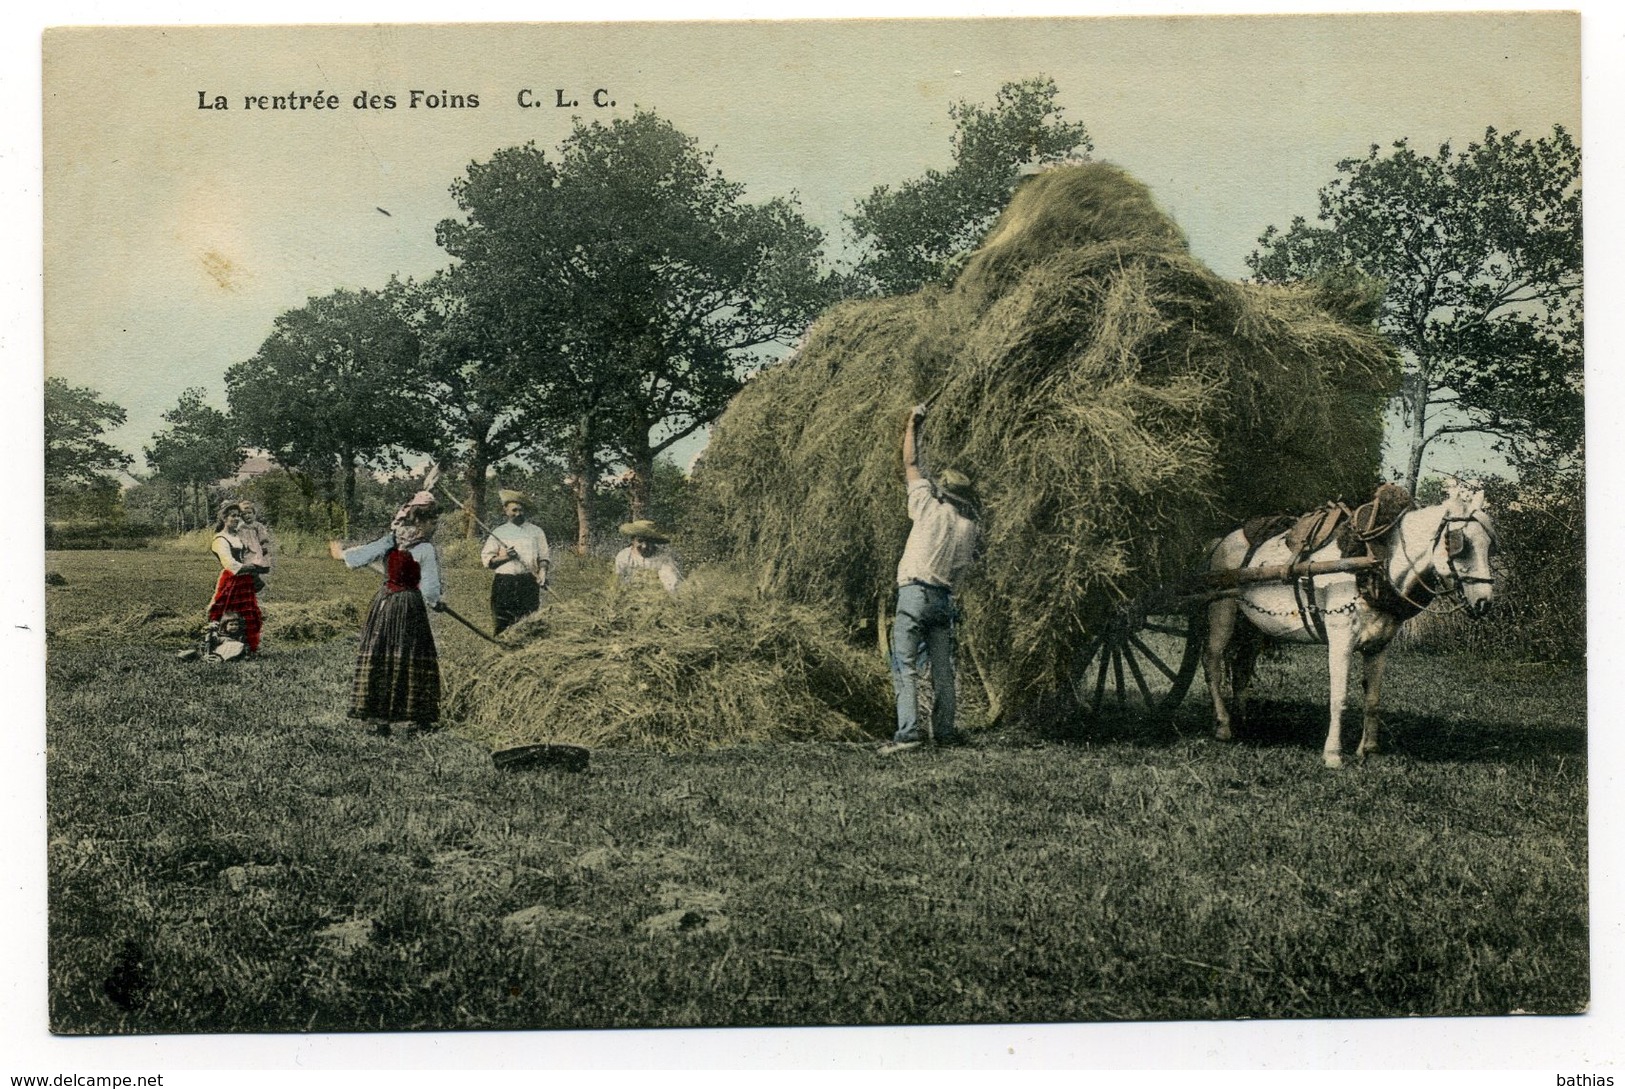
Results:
<point x="408" y="523"/>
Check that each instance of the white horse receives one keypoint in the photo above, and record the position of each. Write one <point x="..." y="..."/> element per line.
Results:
<point x="1427" y="553"/>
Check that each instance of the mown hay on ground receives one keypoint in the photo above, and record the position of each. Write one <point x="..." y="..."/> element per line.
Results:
<point x="1118" y="403"/>
<point x="284" y="622"/>
<point x="634" y="667"/>
<point x="310" y="621"/>
<point x="138" y="622"/>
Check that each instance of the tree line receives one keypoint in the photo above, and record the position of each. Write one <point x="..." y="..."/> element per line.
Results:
<point x="605" y="300"/>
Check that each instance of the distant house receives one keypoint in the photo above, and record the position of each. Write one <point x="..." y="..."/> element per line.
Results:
<point x="254" y="465"/>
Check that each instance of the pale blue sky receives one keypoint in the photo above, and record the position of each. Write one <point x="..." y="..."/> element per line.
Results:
<point x="175" y="235"/>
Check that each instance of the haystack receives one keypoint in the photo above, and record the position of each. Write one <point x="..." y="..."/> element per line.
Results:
<point x="1118" y="403"/>
<point x="637" y="668"/>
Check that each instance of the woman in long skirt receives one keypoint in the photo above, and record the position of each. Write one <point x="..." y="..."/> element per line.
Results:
<point x="397" y="673"/>
<point x="234" y="590"/>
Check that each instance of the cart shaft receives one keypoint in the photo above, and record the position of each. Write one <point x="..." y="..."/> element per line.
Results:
<point x="1286" y="572"/>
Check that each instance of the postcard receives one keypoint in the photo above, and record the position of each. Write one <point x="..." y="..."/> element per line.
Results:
<point x="976" y="529"/>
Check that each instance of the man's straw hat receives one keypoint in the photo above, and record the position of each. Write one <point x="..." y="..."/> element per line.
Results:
<point x="645" y="529"/>
<point x="507" y="496"/>
<point x="956" y="485"/>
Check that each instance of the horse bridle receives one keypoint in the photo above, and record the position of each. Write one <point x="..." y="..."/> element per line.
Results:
<point x="1452" y="549"/>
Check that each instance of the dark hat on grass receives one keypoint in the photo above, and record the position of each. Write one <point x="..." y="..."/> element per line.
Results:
<point x="561" y="757"/>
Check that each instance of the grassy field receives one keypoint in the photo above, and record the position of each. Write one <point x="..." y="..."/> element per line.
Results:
<point x="228" y="852"/>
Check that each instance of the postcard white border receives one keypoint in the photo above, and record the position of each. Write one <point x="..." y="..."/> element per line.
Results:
<point x="1483" y="1051"/>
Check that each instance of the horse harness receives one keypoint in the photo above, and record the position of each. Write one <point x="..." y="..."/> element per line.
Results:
<point x="1362" y="532"/>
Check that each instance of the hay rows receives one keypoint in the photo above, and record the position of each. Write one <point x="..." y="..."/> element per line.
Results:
<point x="141" y="620"/>
<point x="1118" y="403"/>
<point x="634" y="667"/>
<point x="283" y="622"/>
<point x="310" y="621"/>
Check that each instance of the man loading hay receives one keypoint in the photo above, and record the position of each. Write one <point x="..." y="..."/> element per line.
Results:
<point x="647" y="554"/>
<point x="1120" y="398"/>
<point x="517" y="554"/>
<point x="941" y="545"/>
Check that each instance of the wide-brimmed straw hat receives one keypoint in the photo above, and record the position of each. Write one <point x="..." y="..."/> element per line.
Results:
<point x="645" y="529"/>
<point x="956" y="485"/>
<point x="507" y="495"/>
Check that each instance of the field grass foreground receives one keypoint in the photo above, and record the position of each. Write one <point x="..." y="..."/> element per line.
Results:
<point x="228" y="853"/>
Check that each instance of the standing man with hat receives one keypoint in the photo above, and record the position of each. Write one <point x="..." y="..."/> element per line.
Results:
<point x="941" y="545"/>
<point x="517" y="553"/>
<point x="647" y="552"/>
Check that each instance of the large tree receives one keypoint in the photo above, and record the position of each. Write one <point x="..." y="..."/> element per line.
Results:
<point x="920" y="231"/>
<point x="634" y="283"/>
<point x="485" y="402"/>
<point x="76" y="455"/>
<point x="199" y="448"/>
<point x="338" y="386"/>
<point x="1481" y="256"/>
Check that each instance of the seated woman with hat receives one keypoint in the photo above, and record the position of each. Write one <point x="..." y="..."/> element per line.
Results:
<point x="647" y="553"/>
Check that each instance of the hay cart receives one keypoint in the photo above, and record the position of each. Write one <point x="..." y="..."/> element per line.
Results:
<point x="1149" y="649"/>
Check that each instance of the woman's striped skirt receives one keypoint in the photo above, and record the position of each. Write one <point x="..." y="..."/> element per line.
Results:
<point x="397" y="673"/>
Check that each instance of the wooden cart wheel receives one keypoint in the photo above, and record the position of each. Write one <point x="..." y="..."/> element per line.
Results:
<point x="1144" y="659"/>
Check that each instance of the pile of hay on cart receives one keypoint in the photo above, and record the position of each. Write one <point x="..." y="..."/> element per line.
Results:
<point x="1118" y="403"/>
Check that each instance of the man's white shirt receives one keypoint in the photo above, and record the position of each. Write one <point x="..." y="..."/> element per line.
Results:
<point x="528" y="540"/>
<point x="941" y="543"/>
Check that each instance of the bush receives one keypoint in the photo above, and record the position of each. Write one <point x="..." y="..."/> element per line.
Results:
<point x="93" y="535"/>
<point x="1540" y="610"/>
<point x="99" y="503"/>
